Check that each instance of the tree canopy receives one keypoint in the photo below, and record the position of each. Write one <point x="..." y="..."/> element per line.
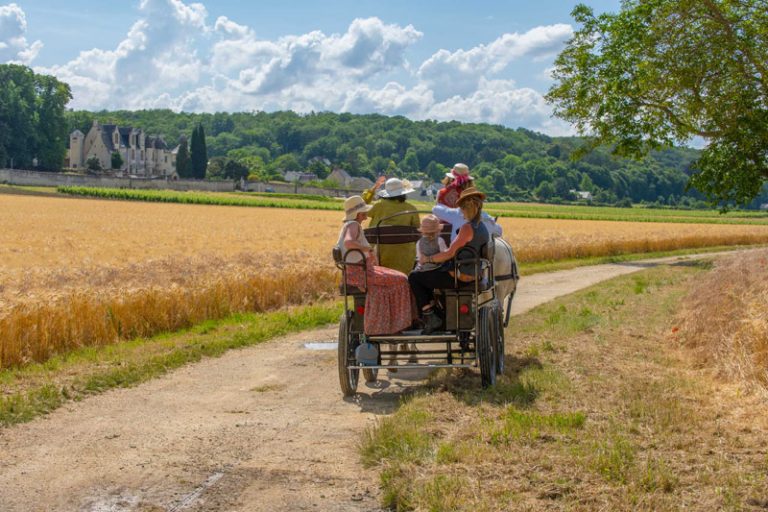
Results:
<point x="32" y="122"/>
<point x="661" y="72"/>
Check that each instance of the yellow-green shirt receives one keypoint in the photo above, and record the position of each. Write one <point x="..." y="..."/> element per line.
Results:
<point x="396" y="256"/>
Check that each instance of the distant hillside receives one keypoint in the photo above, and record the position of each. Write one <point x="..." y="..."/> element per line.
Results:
<point x="511" y="164"/>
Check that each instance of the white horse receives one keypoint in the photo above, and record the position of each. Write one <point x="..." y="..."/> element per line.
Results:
<point x="506" y="274"/>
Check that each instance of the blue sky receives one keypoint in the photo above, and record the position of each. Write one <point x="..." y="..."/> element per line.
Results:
<point x="478" y="61"/>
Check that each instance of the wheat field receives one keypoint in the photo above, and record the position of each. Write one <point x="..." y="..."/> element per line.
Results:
<point x="80" y="272"/>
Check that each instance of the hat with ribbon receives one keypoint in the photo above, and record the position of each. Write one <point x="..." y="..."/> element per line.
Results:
<point x="354" y="205"/>
<point x="395" y="187"/>
<point x="460" y="174"/>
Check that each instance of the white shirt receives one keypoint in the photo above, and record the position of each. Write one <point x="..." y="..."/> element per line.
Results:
<point x="454" y="217"/>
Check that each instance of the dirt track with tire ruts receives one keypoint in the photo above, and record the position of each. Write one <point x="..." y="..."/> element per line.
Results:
<point x="263" y="428"/>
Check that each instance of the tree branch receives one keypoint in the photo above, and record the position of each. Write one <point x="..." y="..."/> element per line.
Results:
<point x="675" y="119"/>
<point x="720" y="18"/>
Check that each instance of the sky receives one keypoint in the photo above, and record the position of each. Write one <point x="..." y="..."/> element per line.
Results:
<point x="471" y="61"/>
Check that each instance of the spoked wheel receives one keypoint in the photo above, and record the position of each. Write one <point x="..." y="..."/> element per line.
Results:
<point x="486" y="346"/>
<point x="499" y="323"/>
<point x="347" y="345"/>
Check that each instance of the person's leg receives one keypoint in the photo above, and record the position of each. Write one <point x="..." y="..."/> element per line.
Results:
<point x="423" y="284"/>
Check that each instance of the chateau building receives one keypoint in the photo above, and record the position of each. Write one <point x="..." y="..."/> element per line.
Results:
<point x="142" y="154"/>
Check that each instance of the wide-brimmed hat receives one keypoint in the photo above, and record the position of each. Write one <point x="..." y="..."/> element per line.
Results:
<point x="459" y="170"/>
<point x="354" y="205"/>
<point x="470" y="192"/>
<point x="430" y="224"/>
<point x="395" y="187"/>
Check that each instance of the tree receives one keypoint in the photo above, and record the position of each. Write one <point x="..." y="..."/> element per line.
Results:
<point x="198" y="153"/>
<point x="183" y="164"/>
<point x="117" y="160"/>
<point x="665" y="71"/>
<point x="93" y="164"/>
<point x="32" y="118"/>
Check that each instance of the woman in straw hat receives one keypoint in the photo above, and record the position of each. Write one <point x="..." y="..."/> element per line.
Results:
<point x="454" y="184"/>
<point x="388" y="298"/>
<point x="473" y="234"/>
<point x="392" y="201"/>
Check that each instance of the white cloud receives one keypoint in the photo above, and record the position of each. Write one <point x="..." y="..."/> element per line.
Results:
<point x="172" y="58"/>
<point x="157" y="56"/>
<point x="500" y="102"/>
<point x="460" y="72"/>
<point x="13" y="42"/>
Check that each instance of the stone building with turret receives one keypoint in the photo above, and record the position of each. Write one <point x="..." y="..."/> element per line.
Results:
<point x="142" y="155"/>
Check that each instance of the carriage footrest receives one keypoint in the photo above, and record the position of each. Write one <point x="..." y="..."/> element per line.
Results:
<point x="410" y="366"/>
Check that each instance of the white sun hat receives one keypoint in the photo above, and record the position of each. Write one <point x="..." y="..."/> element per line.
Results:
<point x="354" y="205"/>
<point x="395" y="187"/>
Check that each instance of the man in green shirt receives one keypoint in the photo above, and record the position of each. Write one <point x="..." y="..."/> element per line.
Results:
<point x="396" y="256"/>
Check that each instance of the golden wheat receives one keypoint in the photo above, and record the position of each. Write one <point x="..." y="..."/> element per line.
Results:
<point x="80" y="272"/>
<point x="725" y="320"/>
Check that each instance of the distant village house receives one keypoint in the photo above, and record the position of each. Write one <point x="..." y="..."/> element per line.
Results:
<point x="142" y="155"/>
<point x="344" y="180"/>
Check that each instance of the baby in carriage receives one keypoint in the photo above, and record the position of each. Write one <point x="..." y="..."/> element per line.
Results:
<point x="430" y="243"/>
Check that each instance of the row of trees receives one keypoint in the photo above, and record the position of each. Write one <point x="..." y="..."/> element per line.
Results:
<point x="192" y="159"/>
<point x="510" y="164"/>
<point x="32" y="123"/>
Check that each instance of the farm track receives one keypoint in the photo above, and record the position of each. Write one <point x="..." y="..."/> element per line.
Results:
<point x="258" y="429"/>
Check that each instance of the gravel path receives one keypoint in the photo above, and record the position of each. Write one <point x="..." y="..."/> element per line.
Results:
<point x="264" y="428"/>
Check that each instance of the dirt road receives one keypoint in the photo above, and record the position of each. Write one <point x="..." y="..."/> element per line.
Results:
<point x="264" y="428"/>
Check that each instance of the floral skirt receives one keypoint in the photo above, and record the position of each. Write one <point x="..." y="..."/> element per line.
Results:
<point x="389" y="306"/>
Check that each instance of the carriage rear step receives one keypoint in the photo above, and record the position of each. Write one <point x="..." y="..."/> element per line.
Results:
<point x="409" y="366"/>
<point x="414" y="338"/>
<point x="458" y="351"/>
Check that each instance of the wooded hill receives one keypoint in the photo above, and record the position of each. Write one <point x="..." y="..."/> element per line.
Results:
<point x="511" y="164"/>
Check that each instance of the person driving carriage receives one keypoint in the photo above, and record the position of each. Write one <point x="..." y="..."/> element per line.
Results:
<point x="473" y="234"/>
<point x="396" y="256"/>
<point x="388" y="297"/>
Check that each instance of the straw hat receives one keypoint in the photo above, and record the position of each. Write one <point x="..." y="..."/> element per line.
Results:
<point x="430" y="224"/>
<point x="354" y="205"/>
<point x="395" y="187"/>
<point x="470" y="192"/>
<point x="459" y="170"/>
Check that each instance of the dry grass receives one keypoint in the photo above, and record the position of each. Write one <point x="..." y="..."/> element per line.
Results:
<point x="599" y="415"/>
<point x="725" y="319"/>
<point x="79" y="272"/>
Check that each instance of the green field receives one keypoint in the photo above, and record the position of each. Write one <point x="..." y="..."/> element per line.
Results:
<point x="521" y="210"/>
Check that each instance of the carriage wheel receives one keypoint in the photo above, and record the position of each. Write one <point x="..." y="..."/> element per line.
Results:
<point x="347" y="344"/>
<point x="486" y="347"/>
<point x="499" y="322"/>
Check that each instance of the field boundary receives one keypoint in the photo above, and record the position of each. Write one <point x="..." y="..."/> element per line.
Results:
<point x="93" y="370"/>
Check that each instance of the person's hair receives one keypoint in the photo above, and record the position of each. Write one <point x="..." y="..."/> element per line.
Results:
<point x="473" y="206"/>
<point x="446" y="180"/>
<point x="397" y="198"/>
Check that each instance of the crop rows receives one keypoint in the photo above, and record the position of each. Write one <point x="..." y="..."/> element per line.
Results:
<point x="80" y="272"/>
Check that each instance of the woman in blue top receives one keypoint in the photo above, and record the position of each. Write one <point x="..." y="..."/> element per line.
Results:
<point x="472" y="234"/>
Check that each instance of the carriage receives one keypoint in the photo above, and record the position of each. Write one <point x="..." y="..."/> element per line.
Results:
<point x="475" y="315"/>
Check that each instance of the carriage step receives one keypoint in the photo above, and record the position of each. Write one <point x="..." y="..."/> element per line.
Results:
<point x="409" y="366"/>
<point x="414" y="338"/>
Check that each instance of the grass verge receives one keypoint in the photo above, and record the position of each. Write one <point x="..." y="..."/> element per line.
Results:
<point x="598" y="409"/>
<point x="40" y="388"/>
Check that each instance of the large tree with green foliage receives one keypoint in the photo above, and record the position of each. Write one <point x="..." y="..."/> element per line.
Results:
<point x="198" y="153"/>
<point x="665" y="71"/>
<point x="32" y="118"/>
<point x="183" y="164"/>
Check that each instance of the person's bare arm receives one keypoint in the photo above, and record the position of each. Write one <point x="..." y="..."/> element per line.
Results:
<point x="350" y="239"/>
